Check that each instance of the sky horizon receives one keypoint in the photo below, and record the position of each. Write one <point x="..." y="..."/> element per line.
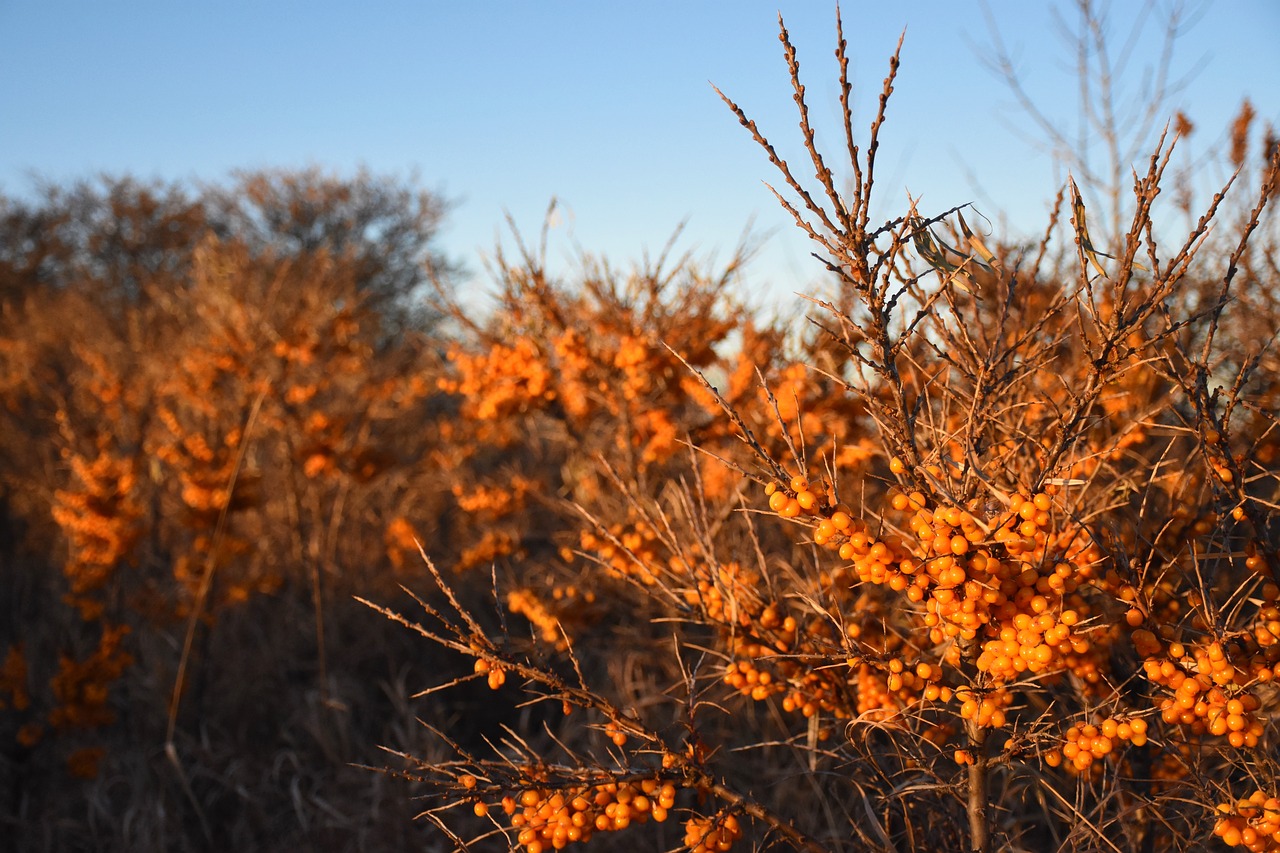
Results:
<point x="501" y="107"/>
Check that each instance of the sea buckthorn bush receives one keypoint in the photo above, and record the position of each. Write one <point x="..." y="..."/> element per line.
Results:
<point x="982" y="557"/>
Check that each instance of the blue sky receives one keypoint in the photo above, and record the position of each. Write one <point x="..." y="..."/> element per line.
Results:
<point x="608" y="107"/>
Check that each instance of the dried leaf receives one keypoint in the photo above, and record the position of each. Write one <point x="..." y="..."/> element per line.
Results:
<point x="1082" y="231"/>
<point x="985" y="256"/>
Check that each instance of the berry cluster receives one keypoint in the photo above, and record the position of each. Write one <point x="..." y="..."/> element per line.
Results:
<point x="490" y="546"/>
<point x="727" y="593"/>
<point x="1086" y="744"/>
<point x="1011" y="584"/>
<point x="496" y="674"/>
<point x="500" y="383"/>
<point x="986" y="708"/>
<point x="630" y="551"/>
<point x="1210" y="693"/>
<point x="552" y="614"/>
<point x="1252" y="823"/>
<point x="715" y="834"/>
<point x="551" y="819"/>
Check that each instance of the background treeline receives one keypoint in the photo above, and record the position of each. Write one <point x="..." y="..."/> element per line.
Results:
<point x="219" y="419"/>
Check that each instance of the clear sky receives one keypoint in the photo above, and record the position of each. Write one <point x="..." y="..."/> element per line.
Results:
<point x="606" y="106"/>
